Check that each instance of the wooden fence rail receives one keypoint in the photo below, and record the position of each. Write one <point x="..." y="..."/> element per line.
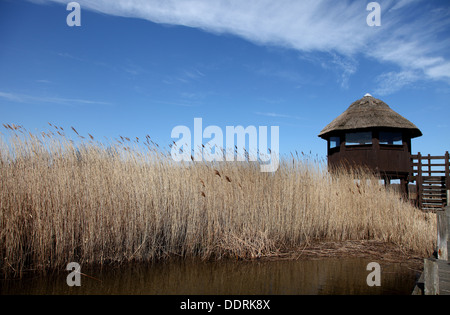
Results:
<point x="432" y="177"/>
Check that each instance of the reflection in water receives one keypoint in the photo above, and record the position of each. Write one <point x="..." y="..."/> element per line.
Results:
<point x="324" y="276"/>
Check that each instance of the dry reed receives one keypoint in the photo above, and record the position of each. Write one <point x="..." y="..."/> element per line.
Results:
<point x="96" y="204"/>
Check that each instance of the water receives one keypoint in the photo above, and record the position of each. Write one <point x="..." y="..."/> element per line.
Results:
<point x="186" y="277"/>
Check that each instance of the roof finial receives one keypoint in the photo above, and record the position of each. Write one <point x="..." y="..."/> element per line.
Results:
<point x="367" y="95"/>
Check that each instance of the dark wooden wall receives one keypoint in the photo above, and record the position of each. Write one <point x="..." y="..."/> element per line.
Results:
<point x="391" y="160"/>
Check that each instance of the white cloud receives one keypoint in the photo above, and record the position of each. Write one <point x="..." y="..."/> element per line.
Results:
<point x="23" y="98"/>
<point x="391" y="82"/>
<point x="276" y="115"/>
<point x="441" y="71"/>
<point x="409" y="41"/>
<point x="11" y="97"/>
<point x="303" y="25"/>
<point x="403" y="3"/>
<point x="346" y="66"/>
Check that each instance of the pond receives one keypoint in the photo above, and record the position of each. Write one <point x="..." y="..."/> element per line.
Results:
<point x="193" y="277"/>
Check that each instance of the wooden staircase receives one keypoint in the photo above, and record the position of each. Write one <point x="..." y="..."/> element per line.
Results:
<point x="433" y="192"/>
<point x="432" y="177"/>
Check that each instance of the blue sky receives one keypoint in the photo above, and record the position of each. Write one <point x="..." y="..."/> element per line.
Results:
<point x="143" y="67"/>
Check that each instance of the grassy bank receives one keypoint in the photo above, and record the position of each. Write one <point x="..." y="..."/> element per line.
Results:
<point x="128" y="201"/>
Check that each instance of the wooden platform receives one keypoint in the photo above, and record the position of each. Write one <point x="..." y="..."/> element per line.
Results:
<point x="438" y="282"/>
<point x="435" y="279"/>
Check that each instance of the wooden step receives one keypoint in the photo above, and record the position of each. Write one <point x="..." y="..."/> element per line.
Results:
<point x="433" y="198"/>
<point x="430" y="188"/>
<point x="433" y="193"/>
<point x="433" y="202"/>
<point x="428" y="207"/>
<point x="429" y="203"/>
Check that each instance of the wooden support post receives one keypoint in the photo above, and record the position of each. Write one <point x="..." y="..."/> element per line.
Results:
<point x="447" y="166"/>
<point x="436" y="272"/>
<point x="429" y="164"/>
<point x="404" y="188"/>
<point x="419" y="180"/>
<point x="443" y="218"/>
<point x="448" y="197"/>
<point x="447" y="176"/>
<point x="447" y="213"/>
<point x="431" y="277"/>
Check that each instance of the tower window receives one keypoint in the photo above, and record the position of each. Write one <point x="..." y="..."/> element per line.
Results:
<point x="394" y="138"/>
<point x="358" y="138"/>
<point x="335" y="142"/>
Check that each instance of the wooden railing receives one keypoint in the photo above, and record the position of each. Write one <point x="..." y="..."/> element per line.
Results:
<point x="432" y="177"/>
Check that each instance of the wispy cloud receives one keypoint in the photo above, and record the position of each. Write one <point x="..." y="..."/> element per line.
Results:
<point x="276" y="115"/>
<point x="44" y="81"/>
<point x="345" y="66"/>
<point x="287" y="75"/>
<point x="134" y="69"/>
<point x="390" y="82"/>
<point x="180" y="103"/>
<point x="69" y="56"/>
<point x="11" y="97"/>
<point x="23" y="98"/>
<point x="403" y="3"/>
<point x="184" y="76"/>
<point x="414" y="42"/>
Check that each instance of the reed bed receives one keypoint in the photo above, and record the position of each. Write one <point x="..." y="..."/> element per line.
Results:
<point x="127" y="201"/>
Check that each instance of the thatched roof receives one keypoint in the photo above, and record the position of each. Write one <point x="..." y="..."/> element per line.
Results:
<point x="369" y="112"/>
